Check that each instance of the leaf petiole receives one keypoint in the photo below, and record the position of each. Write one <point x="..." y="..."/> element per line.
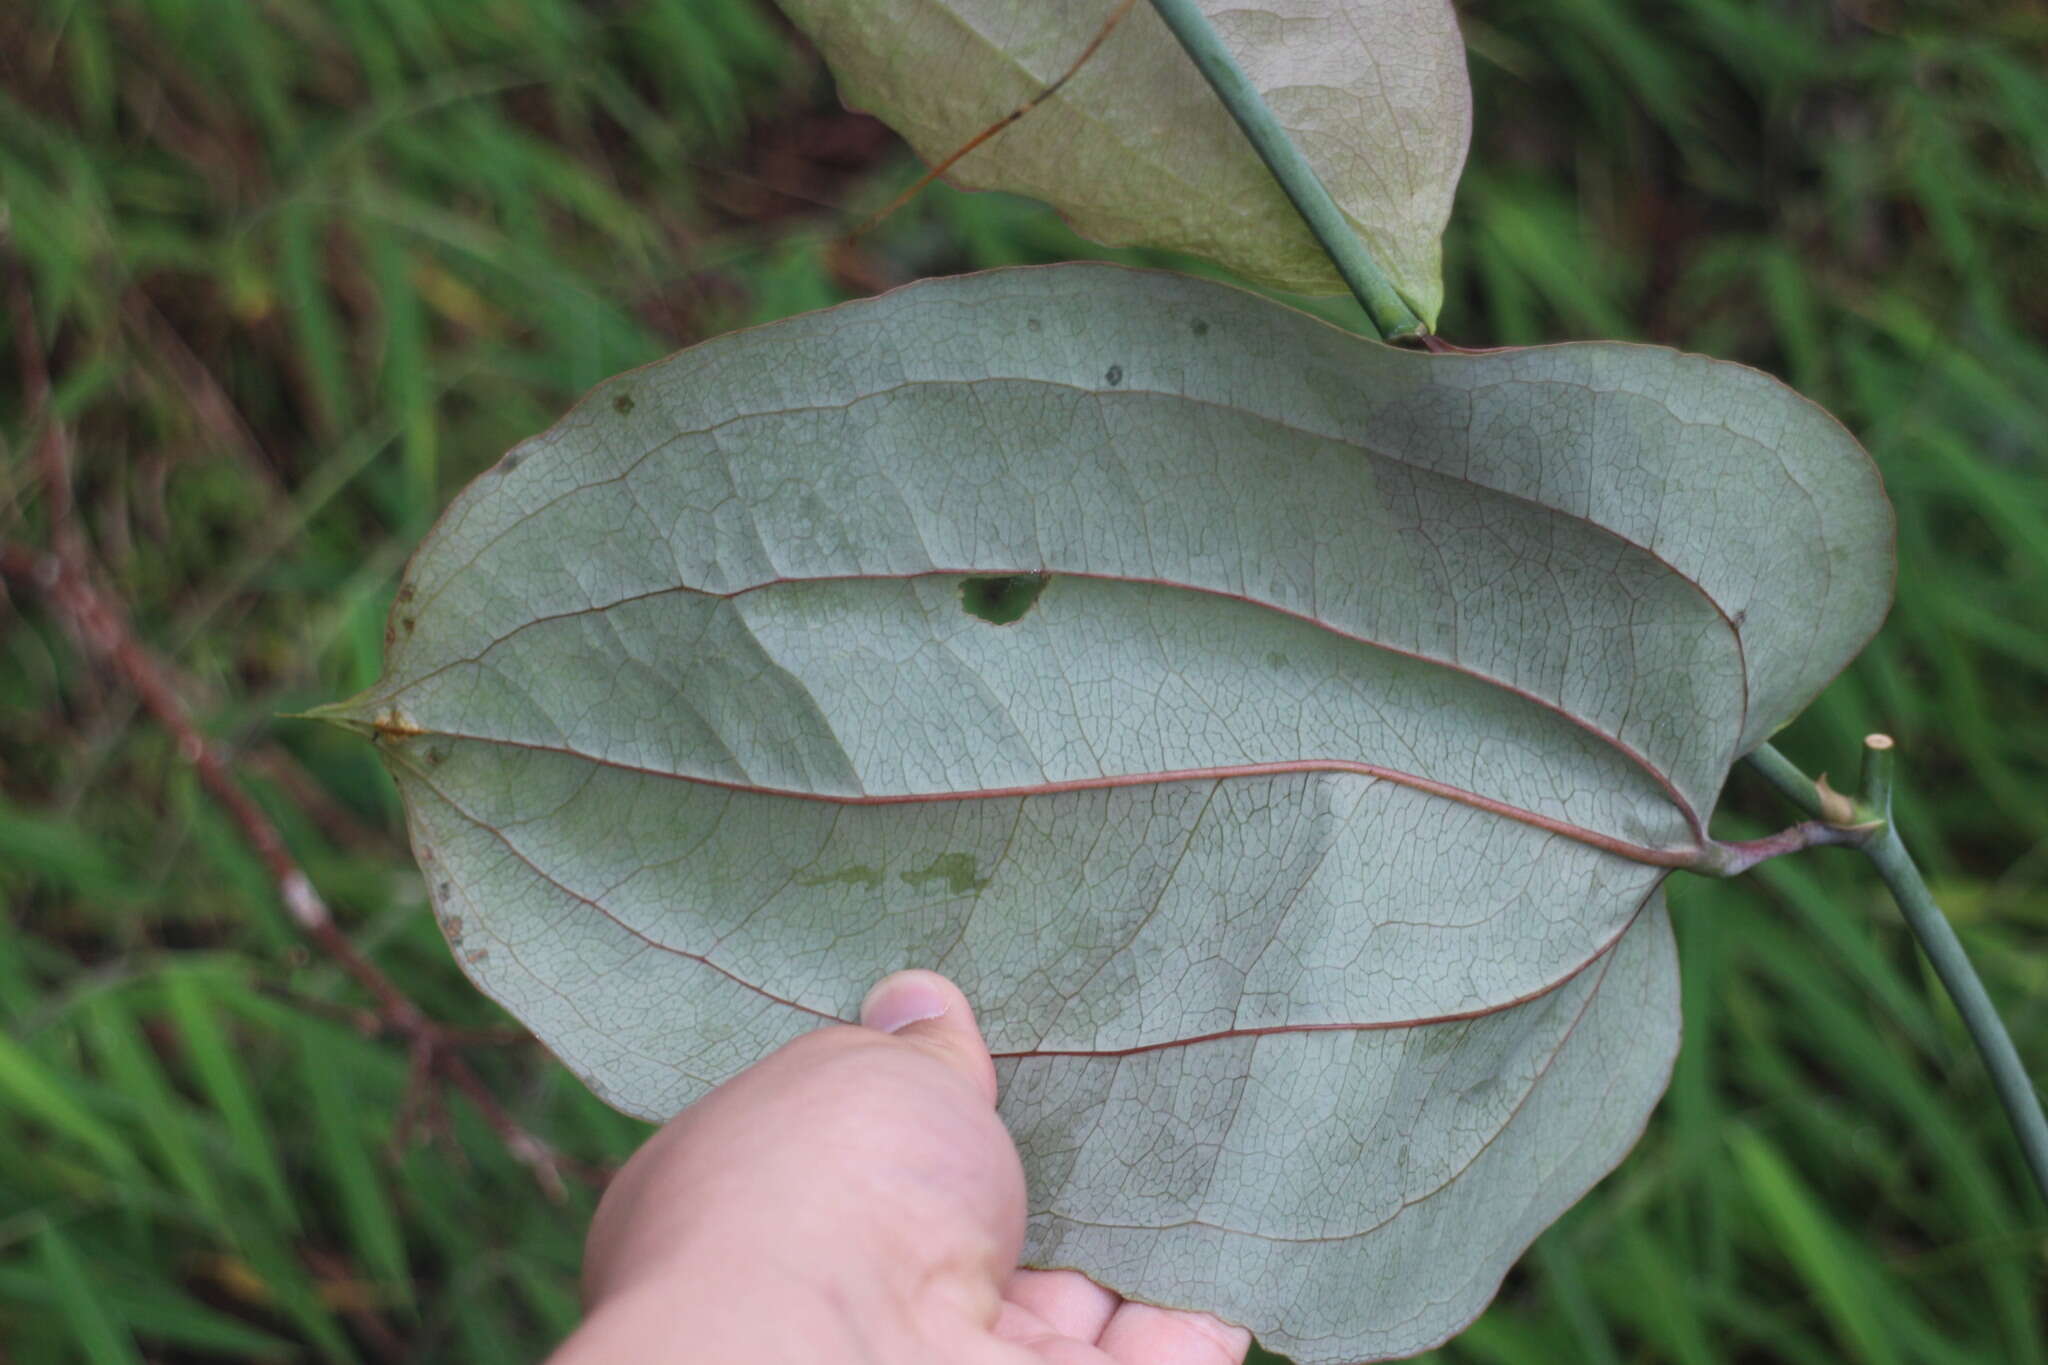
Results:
<point x="1391" y="314"/>
<point x="1719" y="859"/>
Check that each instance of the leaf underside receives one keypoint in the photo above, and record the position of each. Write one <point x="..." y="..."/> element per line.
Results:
<point x="1137" y="150"/>
<point x="1300" y="836"/>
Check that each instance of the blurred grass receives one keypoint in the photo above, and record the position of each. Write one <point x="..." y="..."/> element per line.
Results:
<point x="306" y="268"/>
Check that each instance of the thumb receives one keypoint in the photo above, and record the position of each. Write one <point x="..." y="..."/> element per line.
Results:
<point x="931" y="1014"/>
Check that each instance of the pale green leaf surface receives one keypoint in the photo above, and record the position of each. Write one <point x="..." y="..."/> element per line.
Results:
<point x="1300" y="846"/>
<point x="1136" y="149"/>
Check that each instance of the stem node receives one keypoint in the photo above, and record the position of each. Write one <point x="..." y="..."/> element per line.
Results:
<point x="1887" y="852"/>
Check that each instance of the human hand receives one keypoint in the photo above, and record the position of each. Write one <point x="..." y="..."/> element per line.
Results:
<point x="853" y="1197"/>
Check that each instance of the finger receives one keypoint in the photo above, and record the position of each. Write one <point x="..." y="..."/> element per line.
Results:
<point x="1070" y="1302"/>
<point x="1139" y="1334"/>
<point x="928" y="1011"/>
<point x="1045" y="1345"/>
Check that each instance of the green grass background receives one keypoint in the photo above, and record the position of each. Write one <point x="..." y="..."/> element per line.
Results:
<point x="306" y="267"/>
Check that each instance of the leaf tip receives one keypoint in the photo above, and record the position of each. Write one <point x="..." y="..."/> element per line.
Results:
<point x="361" y="715"/>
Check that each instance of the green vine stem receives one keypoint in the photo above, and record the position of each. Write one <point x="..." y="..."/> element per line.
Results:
<point x="1391" y="316"/>
<point x="1937" y="938"/>
<point x="1871" y="831"/>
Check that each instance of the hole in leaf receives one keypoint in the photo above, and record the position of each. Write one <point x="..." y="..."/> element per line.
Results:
<point x="1000" y="599"/>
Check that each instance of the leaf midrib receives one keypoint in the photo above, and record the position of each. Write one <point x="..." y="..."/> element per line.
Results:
<point x="1625" y="848"/>
<point x="1606" y="843"/>
<point x="1564" y="978"/>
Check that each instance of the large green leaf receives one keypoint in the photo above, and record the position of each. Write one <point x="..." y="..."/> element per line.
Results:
<point x="1136" y="149"/>
<point x="1300" y="844"/>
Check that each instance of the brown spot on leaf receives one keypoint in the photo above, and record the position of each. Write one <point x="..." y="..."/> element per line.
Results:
<point x="395" y="724"/>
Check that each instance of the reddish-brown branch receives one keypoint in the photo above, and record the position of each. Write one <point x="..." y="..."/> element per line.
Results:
<point x="101" y="628"/>
<point x="62" y="576"/>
